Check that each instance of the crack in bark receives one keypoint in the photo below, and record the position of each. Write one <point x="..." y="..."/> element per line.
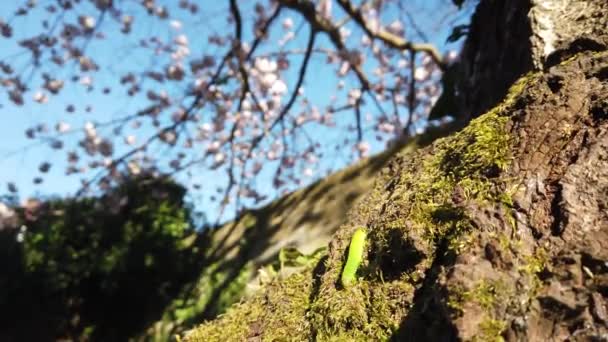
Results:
<point x="559" y="216"/>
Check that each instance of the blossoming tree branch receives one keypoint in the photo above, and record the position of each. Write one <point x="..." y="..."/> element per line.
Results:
<point x="264" y="95"/>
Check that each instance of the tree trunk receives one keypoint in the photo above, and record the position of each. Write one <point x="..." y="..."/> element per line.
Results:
<point x="508" y="39"/>
<point x="498" y="231"/>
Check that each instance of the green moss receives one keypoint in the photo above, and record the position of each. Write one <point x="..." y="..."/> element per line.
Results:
<point x="234" y="326"/>
<point x="488" y="295"/>
<point x="342" y="313"/>
<point x="366" y="310"/>
<point x="466" y="162"/>
<point x="535" y="263"/>
<point x="532" y="266"/>
<point x="360" y="312"/>
<point x="275" y="314"/>
<point x="419" y="216"/>
<point x="386" y="304"/>
<point x="491" y="330"/>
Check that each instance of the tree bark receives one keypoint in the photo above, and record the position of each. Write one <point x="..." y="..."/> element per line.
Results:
<point x="498" y="231"/>
<point x="508" y="39"/>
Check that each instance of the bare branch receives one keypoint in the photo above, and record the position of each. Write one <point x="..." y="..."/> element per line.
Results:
<point x="301" y="75"/>
<point x="234" y="10"/>
<point x="390" y="39"/>
<point x="196" y="101"/>
<point x="307" y="9"/>
<point x="302" y="72"/>
<point x="358" y="118"/>
<point x="411" y="96"/>
<point x="263" y="32"/>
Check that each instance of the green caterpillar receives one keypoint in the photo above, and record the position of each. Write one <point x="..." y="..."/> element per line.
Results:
<point x="355" y="256"/>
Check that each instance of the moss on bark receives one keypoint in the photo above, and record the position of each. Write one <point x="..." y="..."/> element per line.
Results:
<point x="414" y="218"/>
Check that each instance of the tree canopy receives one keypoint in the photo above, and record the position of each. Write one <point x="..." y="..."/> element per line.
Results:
<point x="243" y="100"/>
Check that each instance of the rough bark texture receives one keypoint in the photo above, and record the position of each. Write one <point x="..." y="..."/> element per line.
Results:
<point x="496" y="53"/>
<point x="537" y="266"/>
<point x="510" y="38"/>
<point x="562" y="200"/>
<point x="499" y="231"/>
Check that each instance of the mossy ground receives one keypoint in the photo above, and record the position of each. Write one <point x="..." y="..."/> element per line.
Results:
<point x="414" y="216"/>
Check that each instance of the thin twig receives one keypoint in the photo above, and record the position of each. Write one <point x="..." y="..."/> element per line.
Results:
<point x="390" y="39"/>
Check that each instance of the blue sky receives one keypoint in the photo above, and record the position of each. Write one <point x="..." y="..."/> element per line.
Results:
<point x="20" y="157"/>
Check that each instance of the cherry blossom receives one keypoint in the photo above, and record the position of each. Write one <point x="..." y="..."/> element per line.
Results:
<point x="265" y="98"/>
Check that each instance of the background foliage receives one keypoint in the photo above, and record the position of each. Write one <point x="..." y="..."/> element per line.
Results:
<point x="96" y="268"/>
